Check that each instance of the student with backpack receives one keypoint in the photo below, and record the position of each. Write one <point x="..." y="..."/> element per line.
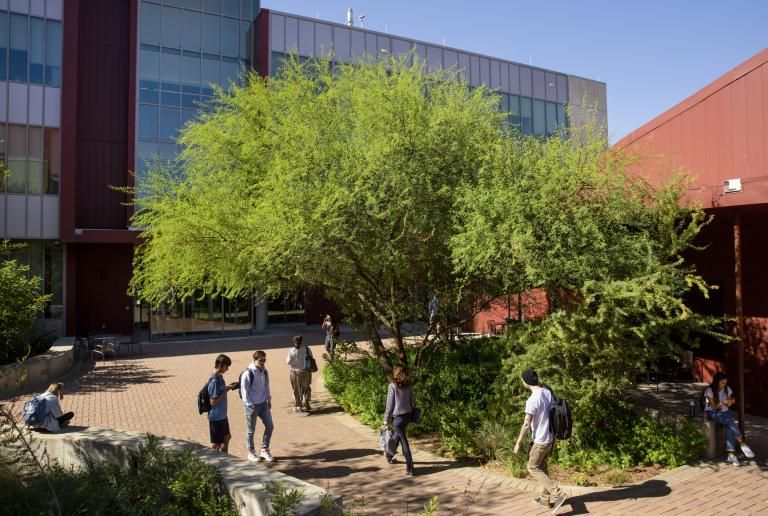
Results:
<point x="537" y="421"/>
<point x="717" y="408"/>
<point x="217" y="389"/>
<point x="43" y="412"/>
<point x="257" y="399"/>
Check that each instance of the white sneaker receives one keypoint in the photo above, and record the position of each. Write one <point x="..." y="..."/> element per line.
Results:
<point x="746" y="450"/>
<point x="296" y="409"/>
<point x="733" y="459"/>
<point x="266" y="455"/>
<point x="253" y="458"/>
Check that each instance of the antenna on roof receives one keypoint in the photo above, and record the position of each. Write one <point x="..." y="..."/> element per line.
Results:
<point x="361" y="18"/>
<point x="350" y="17"/>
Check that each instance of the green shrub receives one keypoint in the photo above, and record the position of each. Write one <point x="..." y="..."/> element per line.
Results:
<point x="616" y="477"/>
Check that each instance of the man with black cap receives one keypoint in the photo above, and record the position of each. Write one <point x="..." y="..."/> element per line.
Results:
<point x="537" y="421"/>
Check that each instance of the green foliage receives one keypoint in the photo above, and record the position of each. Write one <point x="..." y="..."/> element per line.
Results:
<point x="284" y="502"/>
<point x="580" y="479"/>
<point x="152" y="481"/>
<point x="20" y="304"/>
<point x="432" y="507"/>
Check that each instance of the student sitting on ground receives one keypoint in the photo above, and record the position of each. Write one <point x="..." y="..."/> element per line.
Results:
<point x="718" y="410"/>
<point x="55" y="418"/>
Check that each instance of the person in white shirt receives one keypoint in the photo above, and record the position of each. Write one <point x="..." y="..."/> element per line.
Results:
<point x="254" y="389"/>
<point x="55" y="419"/>
<point x="718" y="409"/>
<point x="537" y="421"/>
<point x="301" y="379"/>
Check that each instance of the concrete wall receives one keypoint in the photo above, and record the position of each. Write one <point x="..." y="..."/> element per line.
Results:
<point x="40" y="371"/>
<point x="245" y="480"/>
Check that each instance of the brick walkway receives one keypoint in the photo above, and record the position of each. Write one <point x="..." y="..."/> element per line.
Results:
<point x="156" y="393"/>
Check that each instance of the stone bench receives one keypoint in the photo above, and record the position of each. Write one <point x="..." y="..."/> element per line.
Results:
<point x="39" y="371"/>
<point x="245" y="480"/>
<point x="715" y="434"/>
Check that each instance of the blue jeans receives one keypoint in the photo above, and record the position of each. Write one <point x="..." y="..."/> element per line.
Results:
<point x="399" y="425"/>
<point x="330" y="344"/>
<point x="262" y="412"/>
<point x="732" y="429"/>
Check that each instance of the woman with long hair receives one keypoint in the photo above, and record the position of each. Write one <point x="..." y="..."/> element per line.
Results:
<point x="399" y="407"/>
<point x="55" y="419"/>
<point x="301" y="378"/>
<point x="330" y="341"/>
<point x="719" y="402"/>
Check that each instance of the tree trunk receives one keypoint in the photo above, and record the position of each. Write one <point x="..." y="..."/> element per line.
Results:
<point x="378" y="346"/>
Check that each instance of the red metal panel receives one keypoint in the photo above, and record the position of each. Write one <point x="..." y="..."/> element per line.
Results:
<point x="755" y="130"/>
<point x="260" y="55"/>
<point x="102" y="115"/>
<point x="738" y="107"/>
<point x="102" y="275"/>
<point x="69" y="125"/>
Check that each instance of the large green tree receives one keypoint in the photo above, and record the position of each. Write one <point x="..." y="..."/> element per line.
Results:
<point x="338" y="177"/>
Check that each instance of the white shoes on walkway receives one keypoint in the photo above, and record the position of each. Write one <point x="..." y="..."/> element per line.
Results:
<point x="265" y="455"/>
<point x="746" y="450"/>
<point x="253" y="458"/>
<point x="733" y="459"/>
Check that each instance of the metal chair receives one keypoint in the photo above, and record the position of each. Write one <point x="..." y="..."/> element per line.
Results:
<point x="106" y="346"/>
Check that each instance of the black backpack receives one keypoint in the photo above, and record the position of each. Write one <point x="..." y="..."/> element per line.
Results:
<point x="204" y="399"/>
<point x="560" y="417"/>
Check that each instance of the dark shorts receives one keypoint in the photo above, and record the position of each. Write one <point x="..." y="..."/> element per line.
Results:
<point x="219" y="431"/>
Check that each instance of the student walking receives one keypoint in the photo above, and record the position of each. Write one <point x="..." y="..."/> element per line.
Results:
<point x="537" y="421"/>
<point x="301" y="378"/>
<point x="330" y="339"/>
<point x="257" y="400"/>
<point x="718" y="409"/>
<point x="218" y="423"/>
<point x="400" y="407"/>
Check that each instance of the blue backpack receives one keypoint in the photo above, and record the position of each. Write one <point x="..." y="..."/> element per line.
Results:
<point x="35" y="411"/>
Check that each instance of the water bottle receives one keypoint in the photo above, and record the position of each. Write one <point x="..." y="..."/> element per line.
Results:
<point x="691" y="410"/>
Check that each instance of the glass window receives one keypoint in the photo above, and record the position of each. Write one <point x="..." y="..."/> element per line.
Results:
<point x="190" y="72"/>
<point x="51" y="160"/>
<point x="17" y="158"/>
<point x="145" y="151"/>
<point x="277" y="63"/>
<point x="211" y="34"/>
<point x="168" y="151"/>
<point x="53" y="53"/>
<point x="19" y="51"/>
<point x="175" y="3"/>
<point x="514" y="111"/>
<point x="2" y="152"/>
<point x="36" y="50"/>
<point x="187" y="115"/>
<point x="150" y="23"/>
<point x="147" y="122"/>
<point x="193" y="4"/>
<point x="212" y="6"/>
<point x="245" y="10"/>
<point x="230" y="37"/>
<point x="210" y="73"/>
<point x="230" y="8"/>
<point x="170" y="69"/>
<point x="526" y="115"/>
<point x="230" y="71"/>
<point x="245" y="39"/>
<point x="171" y="23"/>
<point x="3" y="45"/>
<point x="190" y="101"/>
<point x="149" y="74"/>
<point x="53" y="280"/>
<point x="169" y="94"/>
<point x="551" y="108"/>
<point x="191" y="35"/>
<point x="35" y="160"/>
<point x="169" y="124"/>
<point x="539" y="118"/>
<point x="562" y="117"/>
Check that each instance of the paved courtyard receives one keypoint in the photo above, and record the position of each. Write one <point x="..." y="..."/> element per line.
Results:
<point x="156" y="392"/>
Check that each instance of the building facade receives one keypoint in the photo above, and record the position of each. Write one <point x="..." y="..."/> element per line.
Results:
<point x="719" y="138"/>
<point x="93" y="90"/>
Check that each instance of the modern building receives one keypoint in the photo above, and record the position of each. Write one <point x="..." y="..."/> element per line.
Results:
<point x="719" y="137"/>
<point x="92" y="89"/>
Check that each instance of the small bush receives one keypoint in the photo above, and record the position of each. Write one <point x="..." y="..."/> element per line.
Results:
<point x="616" y="477"/>
<point x="580" y="479"/>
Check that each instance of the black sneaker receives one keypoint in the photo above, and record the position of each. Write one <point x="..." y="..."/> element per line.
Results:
<point x="539" y="501"/>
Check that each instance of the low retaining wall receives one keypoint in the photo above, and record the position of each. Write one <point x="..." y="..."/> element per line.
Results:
<point x="245" y="480"/>
<point x="40" y="371"/>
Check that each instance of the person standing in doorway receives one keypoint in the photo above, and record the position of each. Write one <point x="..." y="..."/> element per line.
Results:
<point x="301" y="378"/>
<point x="537" y="421"/>
<point x="257" y="400"/>
<point x="218" y="423"/>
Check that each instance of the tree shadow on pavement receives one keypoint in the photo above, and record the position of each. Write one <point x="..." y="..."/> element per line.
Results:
<point x="648" y="489"/>
<point x="330" y="409"/>
<point x="310" y="474"/>
<point x="335" y="455"/>
<point x="116" y="376"/>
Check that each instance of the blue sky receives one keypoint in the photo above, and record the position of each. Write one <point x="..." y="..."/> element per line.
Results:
<point x="652" y="54"/>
